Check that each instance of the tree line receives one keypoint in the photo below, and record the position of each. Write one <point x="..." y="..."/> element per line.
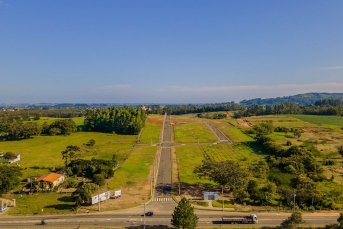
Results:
<point x="290" y="108"/>
<point x="125" y="120"/>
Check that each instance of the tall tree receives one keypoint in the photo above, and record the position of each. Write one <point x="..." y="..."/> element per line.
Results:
<point x="223" y="173"/>
<point x="184" y="216"/>
<point x="293" y="221"/>
<point x="69" y="153"/>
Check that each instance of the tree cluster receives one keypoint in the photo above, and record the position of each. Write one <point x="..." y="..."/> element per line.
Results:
<point x="9" y="177"/>
<point x="59" y="127"/>
<point x="89" y="168"/>
<point x="191" y="108"/>
<point x="211" y="116"/>
<point x="126" y="120"/>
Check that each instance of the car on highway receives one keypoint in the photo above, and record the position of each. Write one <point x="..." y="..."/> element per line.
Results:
<point x="149" y="213"/>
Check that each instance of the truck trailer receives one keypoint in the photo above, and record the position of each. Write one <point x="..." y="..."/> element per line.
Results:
<point x="240" y="219"/>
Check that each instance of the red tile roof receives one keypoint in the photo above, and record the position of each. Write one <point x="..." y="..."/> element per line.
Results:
<point x="49" y="177"/>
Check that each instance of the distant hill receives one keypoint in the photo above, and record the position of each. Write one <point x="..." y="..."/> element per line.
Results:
<point x="300" y="99"/>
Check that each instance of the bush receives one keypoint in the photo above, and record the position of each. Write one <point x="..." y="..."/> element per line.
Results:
<point x="99" y="179"/>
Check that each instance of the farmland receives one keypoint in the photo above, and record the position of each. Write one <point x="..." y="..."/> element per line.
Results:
<point x="321" y="119"/>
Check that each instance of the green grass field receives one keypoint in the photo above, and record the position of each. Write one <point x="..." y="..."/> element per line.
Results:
<point x="45" y="151"/>
<point x="234" y="134"/>
<point x="321" y="119"/>
<point x="281" y="121"/>
<point x="193" y="132"/>
<point x="219" y="204"/>
<point x="50" y="203"/>
<point x="150" y="133"/>
<point x="240" y="152"/>
<point x="135" y="170"/>
<point x="187" y="158"/>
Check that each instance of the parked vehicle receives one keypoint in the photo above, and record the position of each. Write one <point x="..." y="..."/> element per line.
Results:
<point x="240" y="219"/>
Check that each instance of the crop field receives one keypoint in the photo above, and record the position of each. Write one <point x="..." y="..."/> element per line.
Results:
<point x="321" y="119"/>
<point x="135" y="170"/>
<point x="50" y="203"/>
<point x="236" y="152"/>
<point x="151" y="131"/>
<point x="41" y="152"/>
<point x="193" y="131"/>
<point x="188" y="157"/>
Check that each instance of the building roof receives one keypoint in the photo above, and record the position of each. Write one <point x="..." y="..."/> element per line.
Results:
<point x="49" y="177"/>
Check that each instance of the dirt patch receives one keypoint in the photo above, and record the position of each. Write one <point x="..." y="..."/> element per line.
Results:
<point x="228" y="115"/>
<point x="244" y="122"/>
<point x="130" y="197"/>
<point x="311" y="130"/>
<point x="155" y="120"/>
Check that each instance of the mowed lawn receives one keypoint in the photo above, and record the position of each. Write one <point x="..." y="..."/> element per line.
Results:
<point x="135" y="170"/>
<point x="49" y="202"/>
<point x="192" y="132"/>
<point x="188" y="157"/>
<point x="45" y="151"/>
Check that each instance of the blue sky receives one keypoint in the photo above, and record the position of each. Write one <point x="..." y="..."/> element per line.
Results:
<point x="168" y="51"/>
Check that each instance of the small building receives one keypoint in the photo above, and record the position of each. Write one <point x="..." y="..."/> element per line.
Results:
<point x="53" y="178"/>
<point x="15" y="159"/>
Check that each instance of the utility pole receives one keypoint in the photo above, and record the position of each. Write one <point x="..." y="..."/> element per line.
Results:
<point x="293" y="200"/>
<point x="223" y="195"/>
<point x="144" y="215"/>
<point x="179" y="189"/>
<point x="99" y="196"/>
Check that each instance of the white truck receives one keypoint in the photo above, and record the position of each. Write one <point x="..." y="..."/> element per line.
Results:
<point x="240" y="219"/>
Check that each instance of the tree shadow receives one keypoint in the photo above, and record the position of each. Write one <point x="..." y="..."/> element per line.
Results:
<point x="66" y="199"/>
<point x="61" y="206"/>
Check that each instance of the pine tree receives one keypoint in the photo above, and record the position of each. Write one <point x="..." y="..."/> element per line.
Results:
<point x="184" y="216"/>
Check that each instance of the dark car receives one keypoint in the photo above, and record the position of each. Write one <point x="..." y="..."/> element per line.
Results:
<point x="169" y="188"/>
<point x="149" y="213"/>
